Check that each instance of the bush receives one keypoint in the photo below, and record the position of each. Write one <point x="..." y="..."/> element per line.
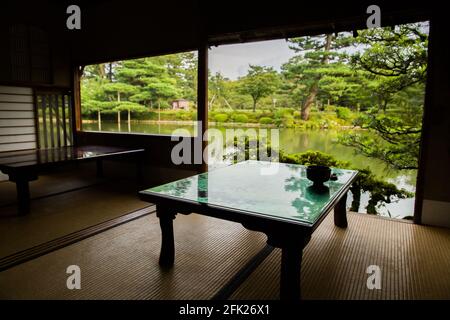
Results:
<point x="281" y="112"/>
<point x="221" y="117"/>
<point x="184" y="115"/>
<point x="241" y="118"/>
<point x="265" y="120"/>
<point x="288" y="121"/>
<point x="329" y="108"/>
<point x="343" y="113"/>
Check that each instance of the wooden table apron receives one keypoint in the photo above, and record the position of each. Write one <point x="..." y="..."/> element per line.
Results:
<point x="291" y="237"/>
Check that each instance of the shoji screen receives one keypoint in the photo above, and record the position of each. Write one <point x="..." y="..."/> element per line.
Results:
<point x="17" y="119"/>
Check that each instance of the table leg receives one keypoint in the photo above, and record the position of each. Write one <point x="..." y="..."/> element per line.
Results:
<point x="167" y="255"/>
<point x="340" y="212"/>
<point x="291" y="263"/>
<point x="100" y="168"/>
<point x="23" y="196"/>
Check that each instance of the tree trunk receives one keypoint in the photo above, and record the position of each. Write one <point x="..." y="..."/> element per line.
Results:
<point x="159" y="117"/>
<point x="306" y="108"/>
<point x="254" y="105"/>
<point x="118" y="112"/>
<point x="99" y="117"/>
<point x="227" y="103"/>
<point x="129" y="120"/>
<point x="110" y="71"/>
<point x="159" y="111"/>
<point x="102" y="70"/>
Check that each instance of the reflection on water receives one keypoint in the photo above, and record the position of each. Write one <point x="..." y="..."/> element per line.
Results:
<point x="294" y="141"/>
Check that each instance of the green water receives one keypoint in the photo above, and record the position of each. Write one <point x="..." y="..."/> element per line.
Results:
<point x="295" y="140"/>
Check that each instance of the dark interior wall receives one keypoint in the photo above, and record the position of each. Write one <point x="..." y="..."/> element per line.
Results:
<point x="435" y="160"/>
<point x="34" y="51"/>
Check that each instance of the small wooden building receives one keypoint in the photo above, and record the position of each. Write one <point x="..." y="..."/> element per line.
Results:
<point x="180" y="104"/>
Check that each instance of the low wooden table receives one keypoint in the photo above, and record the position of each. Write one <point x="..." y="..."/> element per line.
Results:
<point x="24" y="166"/>
<point x="283" y="205"/>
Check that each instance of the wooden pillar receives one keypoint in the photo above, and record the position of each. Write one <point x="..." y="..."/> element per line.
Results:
<point x="202" y="99"/>
<point x="76" y="103"/>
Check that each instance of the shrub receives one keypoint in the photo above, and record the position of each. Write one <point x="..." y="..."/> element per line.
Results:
<point x="265" y="120"/>
<point x="330" y="108"/>
<point x="184" y="115"/>
<point x="343" y="113"/>
<point x="241" y="118"/>
<point x="288" y="121"/>
<point x="221" y="117"/>
<point x="281" y="112"/>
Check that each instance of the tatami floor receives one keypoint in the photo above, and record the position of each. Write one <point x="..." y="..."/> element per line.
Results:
<point x="211" y="256"/>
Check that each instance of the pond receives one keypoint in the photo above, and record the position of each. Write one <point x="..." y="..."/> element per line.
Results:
<point x="296" y="140"/>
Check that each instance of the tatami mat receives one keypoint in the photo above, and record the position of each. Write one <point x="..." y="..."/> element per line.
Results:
<point x="414" y="262"/>
<point x="122" y="263"/>
<point x="56" y="216"/>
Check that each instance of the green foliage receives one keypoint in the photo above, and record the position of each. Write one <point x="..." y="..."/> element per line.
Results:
<point x="221" y="117"/>
<point x="287" y="121"/>
<point x="312" y="158"/>
<point x="139" y="84"/>
<point x="343" y="113"/>
<point x="240" y="118"/>
<point x="265" y="120"/>
<point x="259" y="82"/>
<point x="396" y="142"/>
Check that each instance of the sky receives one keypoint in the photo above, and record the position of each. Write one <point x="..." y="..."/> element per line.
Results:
<point x="232" y="60"/>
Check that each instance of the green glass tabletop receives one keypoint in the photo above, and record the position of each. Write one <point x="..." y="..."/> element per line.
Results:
<point x="276" y="190"/>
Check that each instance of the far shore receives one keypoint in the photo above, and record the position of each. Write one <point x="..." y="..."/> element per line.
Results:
<point x="214" y="123"/>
